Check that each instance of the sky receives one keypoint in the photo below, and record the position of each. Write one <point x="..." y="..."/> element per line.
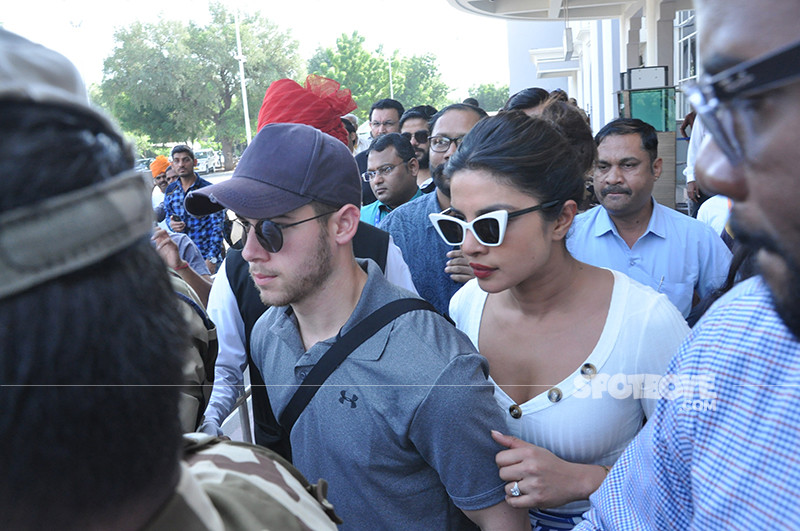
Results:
<point x="471" y="49"/>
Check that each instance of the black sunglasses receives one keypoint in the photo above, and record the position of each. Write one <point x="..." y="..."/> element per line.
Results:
<point x="420" y="136"/>
<point x="270" y="234"/>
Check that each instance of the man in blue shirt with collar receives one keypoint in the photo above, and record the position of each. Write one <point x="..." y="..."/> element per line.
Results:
<point x="631" y="233"/>
<point x="392" y="174"/>
<point x="721" y="452"/>
<point x="205" y="231"/>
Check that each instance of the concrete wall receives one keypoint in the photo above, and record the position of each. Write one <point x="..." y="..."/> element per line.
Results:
<point x="526" y="36"/>
<point x="597" y="47"/>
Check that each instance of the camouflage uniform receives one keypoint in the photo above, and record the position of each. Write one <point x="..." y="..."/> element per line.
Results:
<point x="231" y="485"/>
<point x="201" y="356"/>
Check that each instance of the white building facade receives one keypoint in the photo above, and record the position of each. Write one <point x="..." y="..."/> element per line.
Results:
<point x="584" y="47"/>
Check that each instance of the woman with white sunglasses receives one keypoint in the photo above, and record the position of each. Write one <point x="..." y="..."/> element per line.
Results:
<point x="575" y="352"/>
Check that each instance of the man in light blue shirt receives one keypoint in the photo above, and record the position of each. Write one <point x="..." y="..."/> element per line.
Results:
<point x="720" y="452"/>
<point x="392" y="170"/>
<point x="631" y="233"/>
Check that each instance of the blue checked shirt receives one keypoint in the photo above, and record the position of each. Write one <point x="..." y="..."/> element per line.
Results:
<point x="205" y="231"/>
<point x="723" y="452"/>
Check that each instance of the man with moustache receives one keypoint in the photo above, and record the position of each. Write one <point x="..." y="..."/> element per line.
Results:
<point x="630" y="232"/>
<point x="438" y="270"/>
<point x="414" y="126"/>
<point x="375" y="429"/>
<point x="729" y="461"/>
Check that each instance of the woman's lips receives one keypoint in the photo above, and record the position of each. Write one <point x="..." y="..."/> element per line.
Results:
<point x="482" y="271"/>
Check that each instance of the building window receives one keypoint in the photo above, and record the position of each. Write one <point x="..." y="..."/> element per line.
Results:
<point x="686" y="60"/>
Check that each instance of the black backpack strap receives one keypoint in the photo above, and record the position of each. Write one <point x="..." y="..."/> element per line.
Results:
<point x="342" y="348"/>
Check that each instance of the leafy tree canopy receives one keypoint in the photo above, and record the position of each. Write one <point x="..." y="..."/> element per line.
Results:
<point x="491" y="97"/>
<point x="175" y="81"/>
<point x="415" y="80"/>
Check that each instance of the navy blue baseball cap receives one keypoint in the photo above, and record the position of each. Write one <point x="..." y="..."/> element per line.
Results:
<point x="285" y="167"/>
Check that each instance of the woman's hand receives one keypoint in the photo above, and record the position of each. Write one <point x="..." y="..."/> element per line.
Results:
<point x="543" y="480"/>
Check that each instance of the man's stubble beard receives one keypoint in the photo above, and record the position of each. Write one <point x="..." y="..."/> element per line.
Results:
<point x="306" y="279"/>
<point x="787" y="301"/>
<point x="440" y="180"/>
<point x="424" y="161"/>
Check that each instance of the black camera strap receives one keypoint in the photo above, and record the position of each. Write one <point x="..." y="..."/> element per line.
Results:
<point x="342" y="348"/>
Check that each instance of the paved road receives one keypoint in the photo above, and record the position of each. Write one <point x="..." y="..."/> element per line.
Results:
<point x="217" y="177"/>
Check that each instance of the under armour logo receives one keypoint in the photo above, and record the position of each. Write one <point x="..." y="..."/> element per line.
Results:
<point x="344" y="398"/>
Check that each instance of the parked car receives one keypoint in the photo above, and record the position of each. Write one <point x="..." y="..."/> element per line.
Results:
<point x="143" y="165"/>
<point x="207" y="161"/>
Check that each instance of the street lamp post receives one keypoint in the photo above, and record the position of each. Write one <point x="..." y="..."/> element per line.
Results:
<point x="391" y="86"/>
<point x="240" y="57"/>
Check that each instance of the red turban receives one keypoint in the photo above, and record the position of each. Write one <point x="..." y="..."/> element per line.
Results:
<point x="321" y="104"/>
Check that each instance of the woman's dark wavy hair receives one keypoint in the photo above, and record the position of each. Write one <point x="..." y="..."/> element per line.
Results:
<point x="90" y="363"/>
<point x="526" y="99"/>
<point x="569" y="120"/>
<point x="530" y="154"/>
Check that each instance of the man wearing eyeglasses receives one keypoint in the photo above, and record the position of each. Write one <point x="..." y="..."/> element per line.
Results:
<point x="414" y="126"/>
<point x="401" y="428"/>
<point x="384" y="117"/>
<point x="437" y="269"/>
<point x="392" y="173"/>
<point x="729" y="460"/>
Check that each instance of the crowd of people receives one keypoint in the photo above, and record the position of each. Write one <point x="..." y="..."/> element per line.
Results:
<point x="476" y="320"/>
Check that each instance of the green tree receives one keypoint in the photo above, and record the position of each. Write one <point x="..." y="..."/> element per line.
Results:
<point x="491" y="97"/>
<point x="365" y="73"/>
<point x="416" y="80"/>
<point x="420" y="82"/>
<point x="173" y="81"/>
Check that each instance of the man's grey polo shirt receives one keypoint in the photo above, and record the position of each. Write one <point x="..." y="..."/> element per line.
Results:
<point x="401" y="430"/>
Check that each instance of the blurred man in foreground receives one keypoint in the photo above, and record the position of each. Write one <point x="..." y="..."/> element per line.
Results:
<point x="721" y="453"/>
<point x="92" y="337"/>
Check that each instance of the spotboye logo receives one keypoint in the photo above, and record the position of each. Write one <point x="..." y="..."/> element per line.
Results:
<point x="697" y="392"/>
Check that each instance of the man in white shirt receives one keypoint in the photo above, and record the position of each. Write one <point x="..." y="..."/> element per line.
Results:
<point x="630" y="232"/>
<point x="715" y="212"/>
<point x="694" y="194"/>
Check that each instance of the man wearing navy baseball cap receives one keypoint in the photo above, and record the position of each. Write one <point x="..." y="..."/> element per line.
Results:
<point x="375" y="429"/>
